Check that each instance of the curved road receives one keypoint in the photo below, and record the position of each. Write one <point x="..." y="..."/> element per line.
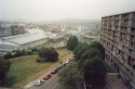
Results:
<point x="52" y="83"/>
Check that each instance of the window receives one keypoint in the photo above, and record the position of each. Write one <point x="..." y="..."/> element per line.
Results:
<point x="134" y="66"/>
<point x="129" y="60"/>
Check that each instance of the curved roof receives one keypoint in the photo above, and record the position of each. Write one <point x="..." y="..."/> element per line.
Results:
<point x="7" y="46"/>
<point x="31" y="35"/>
<point x="4" y="42"/>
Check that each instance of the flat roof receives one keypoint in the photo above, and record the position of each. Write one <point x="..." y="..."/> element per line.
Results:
<point x="4" y="42"/>
<point x="119" y="14"/>
<point x="30" y="36"/>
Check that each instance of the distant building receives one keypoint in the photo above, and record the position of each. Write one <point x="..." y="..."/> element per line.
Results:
<point x="5" y="30"/>
<point x="32" y="38"/>
<point x="58" y="40"/>
<point x="11" y="29"/>
<point x="118" y="39"/>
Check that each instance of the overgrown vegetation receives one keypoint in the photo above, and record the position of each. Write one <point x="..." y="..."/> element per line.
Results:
<point x="72" y="42"/>
<point x="71" y="77"/>
<point x="48" y="55"/>
<point x="18" y="53"/>
<point x="4" y="68"/>
<point x="94" y="73"/>
<point x="25" y="69"/>
<point x="90" y="62"/>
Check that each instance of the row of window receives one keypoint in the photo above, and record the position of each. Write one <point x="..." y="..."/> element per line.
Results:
<point x="120" y="53"/>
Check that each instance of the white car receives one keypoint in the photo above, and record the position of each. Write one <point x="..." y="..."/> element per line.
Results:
<point x="34" y="83"/>
<point x="37" y="82"/>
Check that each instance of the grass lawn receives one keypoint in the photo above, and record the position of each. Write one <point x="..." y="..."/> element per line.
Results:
<point x="25" y="69"/>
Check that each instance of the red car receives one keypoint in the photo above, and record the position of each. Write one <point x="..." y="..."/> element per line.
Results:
<point x="47" y="77"/>
<point x="54" y="72"/>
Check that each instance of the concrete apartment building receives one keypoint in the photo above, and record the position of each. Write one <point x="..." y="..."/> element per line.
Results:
<point x="118" y="39"/>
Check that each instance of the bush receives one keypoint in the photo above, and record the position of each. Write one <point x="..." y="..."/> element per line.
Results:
<point x="48" y="54"/>
<point x="35" y="50"/>
<point x="4" y="68"/>
<point x="38" y="60"/>
<point x="8" y="55"/>
<point x="17" y="53"/>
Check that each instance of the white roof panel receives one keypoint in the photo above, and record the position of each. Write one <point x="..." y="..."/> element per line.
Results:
<point x="31" y="35"/>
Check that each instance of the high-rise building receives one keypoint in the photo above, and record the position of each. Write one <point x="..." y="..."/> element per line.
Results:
<point x="118" y="39"/>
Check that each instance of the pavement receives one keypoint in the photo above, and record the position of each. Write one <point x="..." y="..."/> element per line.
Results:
<point x="113" y="82"/>
<point x="52" y="83"/>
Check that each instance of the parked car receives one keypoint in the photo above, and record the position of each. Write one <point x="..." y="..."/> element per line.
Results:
<point x="54" y="71"/>
<point x="36" y="83"/>
<point x="47" y="77"/>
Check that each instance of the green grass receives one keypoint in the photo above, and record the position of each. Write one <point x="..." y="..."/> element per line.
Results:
<point x="25" y="69"/>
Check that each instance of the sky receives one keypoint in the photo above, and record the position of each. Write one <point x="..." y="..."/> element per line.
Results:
<point x="47" y="10"/>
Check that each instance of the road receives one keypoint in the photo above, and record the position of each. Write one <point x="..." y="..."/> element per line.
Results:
<point x="113" y="82"/>
<point x="52" y="83"/>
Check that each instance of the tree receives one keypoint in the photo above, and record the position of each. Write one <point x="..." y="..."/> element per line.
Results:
<point x="85" y="51"/>
<point x="99" y="47"/>
<point x="48" y="54"/>
<point x="70" y="77"/>
<point x="80" y="49"/>
<point x="77" y="48"/>
<point x="72" y="42"/>
<point x="88" y="54"/>
<point x="95" y="73"/>
<point x="8" y="55"/>
<point x="4" y="68"/>
<point x="90" y="61"/>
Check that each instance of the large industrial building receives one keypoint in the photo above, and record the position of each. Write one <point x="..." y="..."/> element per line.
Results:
<point x="31" y="38"/>
<point x="118" y="39"/>
<point x="7" y="29"/>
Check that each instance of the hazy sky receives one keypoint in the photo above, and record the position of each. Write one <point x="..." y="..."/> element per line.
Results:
<point x="42" y="10"/>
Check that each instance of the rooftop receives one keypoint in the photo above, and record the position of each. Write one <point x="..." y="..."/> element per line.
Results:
<point x="31" y="35"/>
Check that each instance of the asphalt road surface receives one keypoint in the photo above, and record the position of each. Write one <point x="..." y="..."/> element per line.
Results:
<point x="52" y="83"/>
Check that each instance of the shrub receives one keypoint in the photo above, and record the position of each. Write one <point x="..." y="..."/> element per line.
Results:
<point x="48" y="54"/>
<point x="4" y="68"/>
<point x="8" y="55"/>
<point x="17" y="53"/>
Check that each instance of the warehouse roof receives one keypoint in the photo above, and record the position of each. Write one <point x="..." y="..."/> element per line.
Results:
<point x="31" y="35"/>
